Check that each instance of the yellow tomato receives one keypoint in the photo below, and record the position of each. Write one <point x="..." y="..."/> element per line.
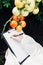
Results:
<point x="23" y="24"/>
<point x="36" y="11"/>
<point x="19" y="4"/>
<point x="13" y="24"/>
<point x="19" y="28"/>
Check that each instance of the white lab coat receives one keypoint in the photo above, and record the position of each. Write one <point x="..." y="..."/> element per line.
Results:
<point x="34" y="49"/>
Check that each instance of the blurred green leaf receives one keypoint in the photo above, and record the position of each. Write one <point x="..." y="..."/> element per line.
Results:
<point x="42" y="1"/>
<point x="6" y="4"/>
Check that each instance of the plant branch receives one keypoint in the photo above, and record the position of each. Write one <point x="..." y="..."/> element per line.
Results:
<point x="5" y="26"/>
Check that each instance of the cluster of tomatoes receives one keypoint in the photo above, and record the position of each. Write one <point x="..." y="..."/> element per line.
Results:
<point x="17" y="22"/>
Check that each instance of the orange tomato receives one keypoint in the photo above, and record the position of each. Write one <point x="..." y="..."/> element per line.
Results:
<point x="13" y="24"/>
<point x="21" y="18"/>
<point x="15" y="18"/>
<point x="19" y="28"/>
<point x="23" y="24"/>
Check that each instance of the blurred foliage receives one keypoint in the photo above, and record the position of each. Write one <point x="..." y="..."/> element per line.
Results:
<point x="6" y="3"/>
<point x="39" y="16"/>
<point x="2" y="59"/>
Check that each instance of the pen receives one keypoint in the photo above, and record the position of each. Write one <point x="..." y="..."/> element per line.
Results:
<point x="17" y="34"/>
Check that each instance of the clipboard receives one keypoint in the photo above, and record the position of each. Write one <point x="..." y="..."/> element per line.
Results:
<point x="15" y="46"/>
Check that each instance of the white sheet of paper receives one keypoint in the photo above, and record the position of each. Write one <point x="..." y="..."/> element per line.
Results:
<point x="20" y="53"/>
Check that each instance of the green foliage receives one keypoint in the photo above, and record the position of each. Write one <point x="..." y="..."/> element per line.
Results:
<point x="42" y="1"/>
<point x="2" y="59"/>
<point x="39" y="17"/>
<point x="6" y="3"/>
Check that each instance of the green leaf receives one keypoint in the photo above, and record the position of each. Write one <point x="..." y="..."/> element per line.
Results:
<point x="7" y="4"/>
<point x="42" y="1"/>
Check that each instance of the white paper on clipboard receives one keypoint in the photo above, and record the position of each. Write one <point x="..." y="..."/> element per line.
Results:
<point x="20" y="53"/>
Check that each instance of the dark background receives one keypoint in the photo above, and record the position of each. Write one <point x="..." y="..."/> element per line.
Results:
<point x="34" y="28"/>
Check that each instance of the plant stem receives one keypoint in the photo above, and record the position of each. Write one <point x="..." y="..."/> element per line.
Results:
<point x="5" y="26"/>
